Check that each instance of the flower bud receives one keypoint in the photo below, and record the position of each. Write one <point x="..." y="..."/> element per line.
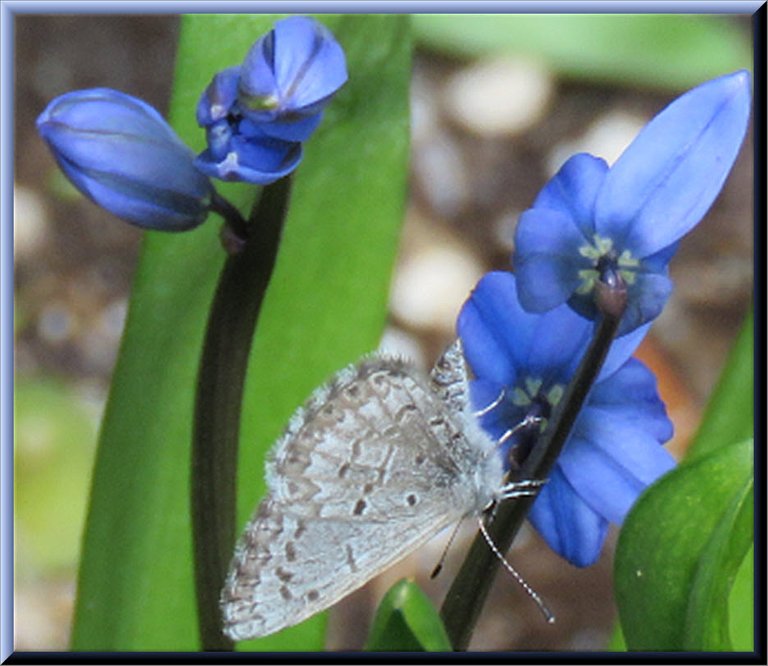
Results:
<point x="289" y="76"/>
<point x="122" y="154"/>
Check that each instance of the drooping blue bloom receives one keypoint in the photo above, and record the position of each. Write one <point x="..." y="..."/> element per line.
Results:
<point x="239" y="149"/>
<point x="289" y="76"/>
<point x="256" y="115"/>
<point x="591" y="220"/>
<point x="120" y="152"/>
<point x="523" y="362"/>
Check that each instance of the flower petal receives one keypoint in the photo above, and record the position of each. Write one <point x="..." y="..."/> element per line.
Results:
<point x="494" y="330"/>
<point x="289" y="130"/>
<point x="219" y="97"/>
<point x="570" y="527"/>
<point x="621" y="350"/>
<point x="611" y="478"/>
<point x="260" y="162"/>
<point x="646" y="299"/>
<point x="615" y="451"/>
<point x="294" y="69"/>
<point x="669" y="176"/>
<point x="631" y="394"/>
<point x="560" y="340"/>
<point x="547" y="259"/>
<point x="309" y="63"/>
<point x="573" y="190"/>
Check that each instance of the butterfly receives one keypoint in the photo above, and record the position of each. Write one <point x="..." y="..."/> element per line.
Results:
<point x="378" y="461"/>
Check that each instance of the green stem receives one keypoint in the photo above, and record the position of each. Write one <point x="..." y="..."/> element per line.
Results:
<point x="231" y="324"/>
<point x="466" y="596"/>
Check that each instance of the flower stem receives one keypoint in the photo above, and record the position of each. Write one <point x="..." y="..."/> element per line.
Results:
<point x="236" y="226"/>
<point x="231" y="324"/>
<point x="466" y="596"/>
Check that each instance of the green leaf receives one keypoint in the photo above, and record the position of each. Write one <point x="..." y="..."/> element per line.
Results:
<point x="326" y="305"/>
<point x="666" y="51"/>
<point x="680" y="549"/>
<point x="741" y="604"/>
<point x="406" y="621"/>
<point x="730" y="414"/>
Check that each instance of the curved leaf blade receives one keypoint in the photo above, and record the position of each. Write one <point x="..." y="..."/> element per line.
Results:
<point x="406" y="621"/>
<point x="730" y="414"/>
<point x="679" y="551"/>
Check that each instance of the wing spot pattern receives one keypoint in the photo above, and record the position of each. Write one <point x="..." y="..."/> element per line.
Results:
<point x="351" y="559"/>
<point x="283" y="575"/>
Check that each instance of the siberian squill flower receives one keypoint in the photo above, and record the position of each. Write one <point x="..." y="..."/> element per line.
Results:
<point x="290" y="75"/>
<point x="591" y="221"/>
<point x="239" y="149"/>
<point x="522" y="363"/>
<point x="256" y="115"/>
<point x="121" y="153"/>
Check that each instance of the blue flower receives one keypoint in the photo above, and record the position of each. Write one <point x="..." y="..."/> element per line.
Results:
<point x="591" y="221"/>
<point x="289" y="76"/>
<point x="256" y="115"/>
<point x="120" y="152"/>
<point x="238" y="148"/>
<point x="523" y="362"/>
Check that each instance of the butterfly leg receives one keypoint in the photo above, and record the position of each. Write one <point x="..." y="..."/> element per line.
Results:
<point x="526" y="488"/>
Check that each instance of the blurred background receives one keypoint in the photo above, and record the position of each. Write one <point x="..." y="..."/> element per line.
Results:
<point x="498" y="103"/>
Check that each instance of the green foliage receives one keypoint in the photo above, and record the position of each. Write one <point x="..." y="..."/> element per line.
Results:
<point x="731" y="412"/>
<point x="406" y="621"/>
<point x="689" y="534"/>
<point x="680" y="549"/>
<point x="664" y="51"/>
<point x="326" y="306"/>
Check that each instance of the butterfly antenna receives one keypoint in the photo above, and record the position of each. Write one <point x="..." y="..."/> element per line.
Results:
<point x="548" y="614"/>
<point x="439" y="567"/>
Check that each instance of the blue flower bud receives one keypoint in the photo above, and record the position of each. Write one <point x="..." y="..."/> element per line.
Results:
<point x="122" y="154"/>
<point x="289" y="76"/>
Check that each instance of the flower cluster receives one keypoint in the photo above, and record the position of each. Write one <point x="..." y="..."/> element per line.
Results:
<point x="524" y="334"/>
<point x="121" y="153"/>
<point x="257" y="114"/>
<point x="614" y="451"/>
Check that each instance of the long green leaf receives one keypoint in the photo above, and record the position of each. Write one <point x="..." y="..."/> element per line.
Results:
<point x="730" y="414"/>
<point x="680" y="549"/>
<point x="665" y="51"/>
<point x="326" y="305"/>
<point x="406" y="621"/>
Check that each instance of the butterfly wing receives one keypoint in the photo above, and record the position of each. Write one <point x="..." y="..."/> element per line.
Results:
<point x="372" y="467"/>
